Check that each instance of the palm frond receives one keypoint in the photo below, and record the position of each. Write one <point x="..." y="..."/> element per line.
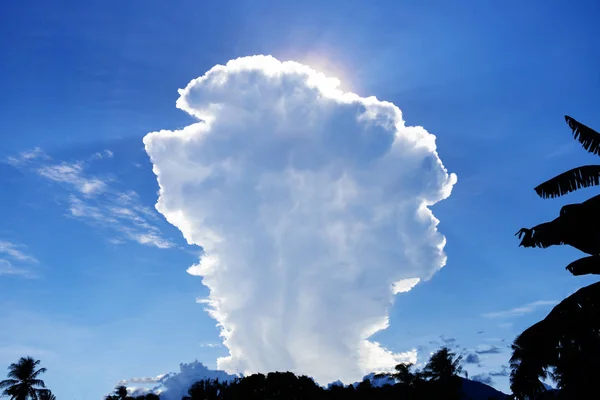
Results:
<point x="38" y="372"/>
<point x="589" y="138"/>
<point x="567" y="182"/>
<point x="37" y="382"/>
<point x="585" y="266"/>
<point x="45" y="394"/>
<point x="7" y="383"/>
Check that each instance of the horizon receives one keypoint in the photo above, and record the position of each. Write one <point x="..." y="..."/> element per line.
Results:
<point x="329" y="189"/>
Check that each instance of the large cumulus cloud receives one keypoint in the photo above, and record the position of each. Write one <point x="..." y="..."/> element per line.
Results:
<point x="311" y="205"/>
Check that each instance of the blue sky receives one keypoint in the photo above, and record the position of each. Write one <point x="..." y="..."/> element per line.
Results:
<point x="98" y="302"/>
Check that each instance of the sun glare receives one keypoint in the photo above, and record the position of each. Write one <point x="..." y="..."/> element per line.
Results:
<point x="328" y="65"/>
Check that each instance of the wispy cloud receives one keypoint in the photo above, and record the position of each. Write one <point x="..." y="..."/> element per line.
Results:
<point x="488" y="349"/>
<point x="211" y="345"/>
<point x="7" y="268"/>
<point x="14" y="261"/>
<point x="96" y="201"/>
<point x="124" y="214"/>
<point x="73" y="175"/>
<point x="102" y="154"/>
<point x="27" y="156"/>
<point x="13" y="250"/>
<point x="148" y="379"/>
<point x="522" y="310"/>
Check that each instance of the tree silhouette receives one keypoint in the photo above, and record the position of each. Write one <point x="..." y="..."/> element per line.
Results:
<point x="442" y="371"/>
<point x="402" y="374"/>
<point x="443" y="365"/>
<point x="148" y="396"/>
<point x="23" y="382"/>
<point x="565" y="344"/>
<point x="205" y="390"/>
<point x="438" y="380"/>
<point x="45" y="394"/>
<point x="120" y="393"/>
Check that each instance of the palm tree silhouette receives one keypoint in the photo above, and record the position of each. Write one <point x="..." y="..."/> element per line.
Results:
<point x="443" y="365"/>
<point x="402" y="374"/>
<point x="23" y="382"/>
<point x="45" y="394"/>
<point x="442" y="373"/>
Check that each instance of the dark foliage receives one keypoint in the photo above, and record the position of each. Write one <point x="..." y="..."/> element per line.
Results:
<point x="570" y="181"/>
<point x="149" y="396"/>
<point x="23" y="381"/>
<point x="578" y="225"/>
<point x="589" y="138"/>
<point x="576" y="178"/>
<point x="438" y="380"/>
<point x="45" y="394"/>
<point x="565" y="345"/>
<point x="120" y="393"/>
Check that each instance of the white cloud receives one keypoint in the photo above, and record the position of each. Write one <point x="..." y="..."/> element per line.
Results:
<point x="12" y="250"/>
<point x="175" y="385"/>
<point x="27" y="156"/>
<point x="211" y="345"/>
<point x="124" y="214"/>
<point x="311" y="205"/>
<point x="14" y="261"/>
<point x="7" y="268"/>
<point x="102" y="154"/>
<point x="488" y="349"/>
<point x="153" y="379"/>
<point x="522" y="310"/>
<point x="97" y="201"/>
<point x="72" y="174"/>
<point x="405" y="285"/>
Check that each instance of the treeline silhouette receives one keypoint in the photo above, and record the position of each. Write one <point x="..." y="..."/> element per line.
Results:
<point x="439" y="379"/>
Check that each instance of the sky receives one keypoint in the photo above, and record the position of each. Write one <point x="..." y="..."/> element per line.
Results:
<point x="296" y="195"/>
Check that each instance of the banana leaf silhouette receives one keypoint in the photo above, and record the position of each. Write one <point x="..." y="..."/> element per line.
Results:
<point x="578" y="225"/>
<point x="576" y="178"/>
